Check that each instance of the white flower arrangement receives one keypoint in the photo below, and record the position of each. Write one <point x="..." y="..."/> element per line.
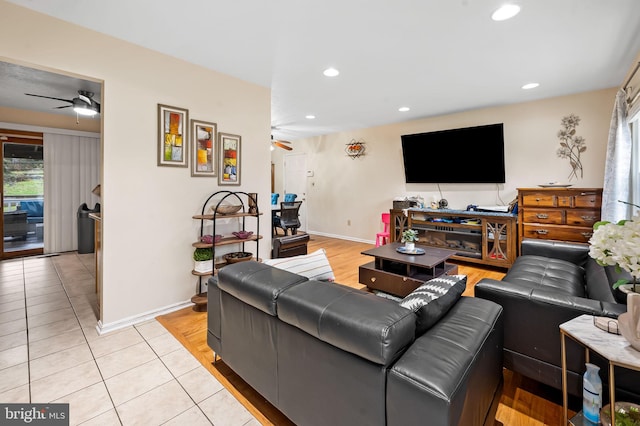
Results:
<point x="617" y="244"/>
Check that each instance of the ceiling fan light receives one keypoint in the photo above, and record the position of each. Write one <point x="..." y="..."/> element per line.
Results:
<point x="80" y="107"/>
<point x="85" y="111"/>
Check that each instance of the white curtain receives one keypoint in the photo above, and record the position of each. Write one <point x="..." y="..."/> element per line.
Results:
<point x="71" y="171"/>
<point x="617" y="172"/>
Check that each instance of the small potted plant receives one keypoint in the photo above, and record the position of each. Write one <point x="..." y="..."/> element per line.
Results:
<point x="203" y="260"/>
<point x="409" y="238"/>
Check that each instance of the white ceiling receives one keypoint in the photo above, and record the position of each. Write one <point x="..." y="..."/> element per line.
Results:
<point x="434" y="56"/>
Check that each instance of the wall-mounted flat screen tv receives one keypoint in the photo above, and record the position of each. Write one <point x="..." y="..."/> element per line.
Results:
<point x="466" y="155"/>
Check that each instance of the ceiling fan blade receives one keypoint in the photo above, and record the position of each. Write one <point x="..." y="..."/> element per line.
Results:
<point x="64" y="106"/>
<point x="281" y="145"/>
<point x="49" y="97"/>
<point x="281" y="141"/>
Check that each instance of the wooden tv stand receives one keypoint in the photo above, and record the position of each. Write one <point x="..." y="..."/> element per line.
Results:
<point x="481" y="237"/>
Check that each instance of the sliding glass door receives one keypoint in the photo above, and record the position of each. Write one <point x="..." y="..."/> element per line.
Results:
<point x="22" y="194"/>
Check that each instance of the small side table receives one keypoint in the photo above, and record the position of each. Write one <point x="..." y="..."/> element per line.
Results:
<point x="614" y="348"/>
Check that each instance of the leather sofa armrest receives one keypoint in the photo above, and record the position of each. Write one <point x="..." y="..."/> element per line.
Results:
<point x="532" y="318"/>
<point x="510" y="291"/>
<point x="571" y="252"/>
<point x="213" y="315"/>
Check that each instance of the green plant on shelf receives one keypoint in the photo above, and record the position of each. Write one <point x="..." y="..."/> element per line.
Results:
<point x="202" y="254"/>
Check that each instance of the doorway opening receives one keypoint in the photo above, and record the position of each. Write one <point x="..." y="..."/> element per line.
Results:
<point x="22" y="178"/>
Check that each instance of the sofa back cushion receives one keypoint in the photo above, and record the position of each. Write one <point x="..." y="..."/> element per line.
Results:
<point x="433" y="299"/>
<point x="256" y="284"/>
<point x="353" y="320"/>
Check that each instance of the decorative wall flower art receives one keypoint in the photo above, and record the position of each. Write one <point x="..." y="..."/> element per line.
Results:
<point x="571" y="146"/>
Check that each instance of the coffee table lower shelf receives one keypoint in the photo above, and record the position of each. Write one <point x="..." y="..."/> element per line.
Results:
<point x="397" y="284"/>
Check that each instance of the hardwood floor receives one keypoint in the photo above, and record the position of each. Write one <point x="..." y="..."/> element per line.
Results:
<point x="523" y="403"/>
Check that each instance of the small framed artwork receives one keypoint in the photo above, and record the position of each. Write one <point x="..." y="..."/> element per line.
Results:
<point x="173" y="142"/>
<point x="229" y="159"/>
<point x="203" y="148"/>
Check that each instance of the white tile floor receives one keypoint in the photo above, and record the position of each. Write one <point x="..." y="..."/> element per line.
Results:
<point x="50" y="352"/>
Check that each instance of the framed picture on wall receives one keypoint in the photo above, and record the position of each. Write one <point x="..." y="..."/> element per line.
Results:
<point x="173" y="132"/>
<point x="203" y="148"/>
<point x="229" y="163"/>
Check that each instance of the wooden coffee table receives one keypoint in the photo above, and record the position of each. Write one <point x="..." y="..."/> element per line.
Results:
<point x="399" y="274"/>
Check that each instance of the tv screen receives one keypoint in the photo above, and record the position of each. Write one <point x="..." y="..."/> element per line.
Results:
<point x="467" y="155"/>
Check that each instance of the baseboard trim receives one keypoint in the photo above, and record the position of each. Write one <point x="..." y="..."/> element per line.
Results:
<point x="341" y="237"/>
<point x="126" y="322"/>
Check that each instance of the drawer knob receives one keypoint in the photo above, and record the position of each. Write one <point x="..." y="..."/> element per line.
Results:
<point x="587" y="234"/>
<point x="588" y="218"/>
<point x="542" y="231"/>
<point x="542" y="216"/>
<point x="373" y="279"/>
<point x="537" y="199"/>
<point x="404" y="278"/>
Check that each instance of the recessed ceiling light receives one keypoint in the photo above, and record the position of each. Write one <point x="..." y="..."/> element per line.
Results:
<point x="506" y="11"/>
<point x="310" y="117"/>
<point x="404" y="109"/>
<point x="530" y="86"/>
<point x="331" y="72"/>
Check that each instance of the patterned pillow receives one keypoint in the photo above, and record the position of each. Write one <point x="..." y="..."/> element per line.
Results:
<point x="314" y="266"/>
<point x="433" y="299"/>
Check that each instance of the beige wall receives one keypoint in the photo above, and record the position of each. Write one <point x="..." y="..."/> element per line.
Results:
<point x="343" y="189"/>
<point x="147" y="224"/>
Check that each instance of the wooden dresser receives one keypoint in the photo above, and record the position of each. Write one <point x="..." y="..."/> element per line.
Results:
<point x="564" y="214"/>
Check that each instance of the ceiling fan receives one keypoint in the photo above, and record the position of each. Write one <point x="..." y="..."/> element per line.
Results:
<point x="83" y="104"/>
<point x="281" y="143"/>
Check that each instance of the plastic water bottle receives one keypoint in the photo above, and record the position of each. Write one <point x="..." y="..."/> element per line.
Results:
<point x="591" y="394"/>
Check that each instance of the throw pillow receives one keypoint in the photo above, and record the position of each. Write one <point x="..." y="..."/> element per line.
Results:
<point x="433" y="299"/>
<point x="314" y="266"/>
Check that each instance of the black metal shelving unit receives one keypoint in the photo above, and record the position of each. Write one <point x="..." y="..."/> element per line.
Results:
<point x="246" y="211"/>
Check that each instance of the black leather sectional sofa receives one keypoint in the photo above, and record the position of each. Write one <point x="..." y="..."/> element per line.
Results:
<point x="327" y="354"/>
<point x="551" y="283"/>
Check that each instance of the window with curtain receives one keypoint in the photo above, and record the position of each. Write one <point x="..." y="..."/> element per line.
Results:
<point x="72" y="170"/>
<point x="634" y="124"/>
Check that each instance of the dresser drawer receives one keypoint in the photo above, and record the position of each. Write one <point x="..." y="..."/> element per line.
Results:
<point x="558" y="232"/>
<point x="543" y="216"/>
<point x="563" y="200"/>
<point x="538" y="200"/>
<point x="582" y="217"/>
<point x="588" y="200"/>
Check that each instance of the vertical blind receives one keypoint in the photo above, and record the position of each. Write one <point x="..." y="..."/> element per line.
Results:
<point x="71" y="171"/>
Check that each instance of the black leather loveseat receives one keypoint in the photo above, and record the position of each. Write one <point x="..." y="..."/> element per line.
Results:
<point x="551" y="283"/>
<point x="327" y="354"/>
